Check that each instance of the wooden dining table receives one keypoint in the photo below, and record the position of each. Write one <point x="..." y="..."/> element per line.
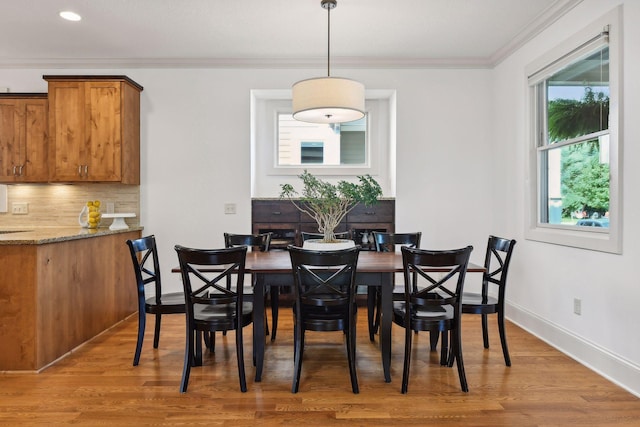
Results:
<point x="273" y="268"/>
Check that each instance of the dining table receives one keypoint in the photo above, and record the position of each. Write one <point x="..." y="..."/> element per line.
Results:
<point x="273" y="268"/>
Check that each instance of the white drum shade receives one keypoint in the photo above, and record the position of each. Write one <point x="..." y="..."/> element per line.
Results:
<point x="328" y="100"/>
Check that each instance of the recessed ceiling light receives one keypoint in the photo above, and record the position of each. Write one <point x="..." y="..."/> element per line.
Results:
<point x="70" y="16"/>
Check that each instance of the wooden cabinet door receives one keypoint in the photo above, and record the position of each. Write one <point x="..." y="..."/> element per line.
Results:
<point x="103" y="131"/>
<point x="11" y="134"/>
<point x="23" y="140"/>
<point x="67" y="131"/>
<point x="36" y="150"/>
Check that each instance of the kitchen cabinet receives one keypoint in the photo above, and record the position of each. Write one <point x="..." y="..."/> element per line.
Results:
<point x="62" y="292"/>
<point x="94" y="129"/>
<point x="281" y="218"/>
<point x="23" y="137"/>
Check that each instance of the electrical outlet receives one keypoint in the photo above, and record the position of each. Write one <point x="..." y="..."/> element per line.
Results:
<point x="577" y="306"/>
<point x="20" y="208"/>
<point x="230" y="208"/>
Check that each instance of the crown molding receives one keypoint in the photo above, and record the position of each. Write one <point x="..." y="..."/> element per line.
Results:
<point x="542" y="21"/>
<point x="550" y="15"/>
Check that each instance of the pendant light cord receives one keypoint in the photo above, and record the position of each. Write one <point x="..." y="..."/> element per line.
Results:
<point x="328" y="41"/>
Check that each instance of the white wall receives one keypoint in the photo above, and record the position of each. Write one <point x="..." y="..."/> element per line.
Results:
<point x="546" y="278"/>
<point x="460" y="176"/>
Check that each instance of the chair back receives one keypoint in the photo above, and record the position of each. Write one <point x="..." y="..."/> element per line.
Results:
<point x="144" y="256"/>
<point x="341" y="235"/>
<point x="496" y="264"/>
<point x="440" y="280"/>
<point x="387" y="242"/>
<point x="205" y="274"/>
<point x="324" y="283"/>
<point x="259" y="242"/>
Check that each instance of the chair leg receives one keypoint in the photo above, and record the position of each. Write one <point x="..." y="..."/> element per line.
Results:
<point x="434" y="336"/>
<point x="457" y="350"/>
<point x="351" y="355"/>
<point x="371" y="307"/>
<point x="485" y="331"/>
<point x="503" y="338"/>
<point x="275" y="302"/>
<point x="376" y="322"/>
<point x="445" y="350"/>
<point x="297" y="352"/>
<point x="156" y="332"/>
<point x="240" y="356"/>
<point x="142" y="320"/>
<point x="407" y="358"/>
<point x="197" y="352"/>
<point x="188" y="358"/>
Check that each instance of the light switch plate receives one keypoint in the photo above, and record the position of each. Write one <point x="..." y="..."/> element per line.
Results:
<point x="19" y="208"/>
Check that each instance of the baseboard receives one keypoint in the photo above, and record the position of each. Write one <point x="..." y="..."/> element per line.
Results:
<point x="611" y="366"/>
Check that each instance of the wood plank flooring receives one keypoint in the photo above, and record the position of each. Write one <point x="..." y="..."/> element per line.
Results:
<point x="97" y="384"/>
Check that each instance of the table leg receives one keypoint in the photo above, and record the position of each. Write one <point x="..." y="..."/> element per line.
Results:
<point x="385" y="324"/>
<point x="258" y="325"/>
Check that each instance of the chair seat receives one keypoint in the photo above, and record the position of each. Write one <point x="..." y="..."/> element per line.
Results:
<point x="472" y="303"/>
<point x="221" y="312"/>
<point x="170" y="303"/>
<point x="424" y="316"/>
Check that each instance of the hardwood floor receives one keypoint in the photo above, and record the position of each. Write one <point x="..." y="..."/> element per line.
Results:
<point x="97" y="384"/>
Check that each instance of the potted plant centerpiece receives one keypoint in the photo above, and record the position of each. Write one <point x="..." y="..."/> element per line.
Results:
<point x="328" y="204"/>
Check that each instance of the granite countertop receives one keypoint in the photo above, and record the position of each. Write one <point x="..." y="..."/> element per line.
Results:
<point x="39" y="236"/>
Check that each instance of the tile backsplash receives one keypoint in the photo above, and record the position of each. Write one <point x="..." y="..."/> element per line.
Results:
<point x="58" y="205"/>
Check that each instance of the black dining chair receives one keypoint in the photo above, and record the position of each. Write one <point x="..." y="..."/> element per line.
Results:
<point x="433" y="286"/>
<point x="274" y="291"/>
<point x="324" y="289"/>
<point x="386" y="242"/>
<point x="213" y="303"/>
<point x="496" y="264"/>
<point x="144" y="257"/>
<point x="255" y="242"/>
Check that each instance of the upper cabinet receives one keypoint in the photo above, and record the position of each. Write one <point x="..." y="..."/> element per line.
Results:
<point x="23" y="137"/>
<point x="94" y="129"/>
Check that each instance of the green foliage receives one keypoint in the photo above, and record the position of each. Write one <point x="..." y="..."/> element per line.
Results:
<point x="328" y="203"/>
<point x="569" y="118"/>
<point x="585" y="181"/>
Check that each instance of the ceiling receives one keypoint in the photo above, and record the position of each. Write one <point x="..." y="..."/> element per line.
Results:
<point x="210" y="33"/>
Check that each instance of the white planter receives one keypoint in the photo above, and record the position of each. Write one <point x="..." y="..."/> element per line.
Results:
<point x="318" y="245"/>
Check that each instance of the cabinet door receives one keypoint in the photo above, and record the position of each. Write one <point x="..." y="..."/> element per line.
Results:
<point x="104" y="131"/>
<point x="23" y="140"/>
<point x="67" y="143"/>
<point x="36" y="153"/>
<point x="11" y="133"/>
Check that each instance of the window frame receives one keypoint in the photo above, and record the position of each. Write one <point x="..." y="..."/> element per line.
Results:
<point x="268" y="104"/>
<point x="591" y="238"/>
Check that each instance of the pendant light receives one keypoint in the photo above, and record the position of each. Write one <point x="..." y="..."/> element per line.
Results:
<point x="328" y="99"/>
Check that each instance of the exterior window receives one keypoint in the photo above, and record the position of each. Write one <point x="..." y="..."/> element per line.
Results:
<point x="311" y="152"/>
<point x="335" y="144"/>
<point x="574" y="145"/>
<point x="574" y="174"/>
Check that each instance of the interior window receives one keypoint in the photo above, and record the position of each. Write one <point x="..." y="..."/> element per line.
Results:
<point x="331" y="144"/>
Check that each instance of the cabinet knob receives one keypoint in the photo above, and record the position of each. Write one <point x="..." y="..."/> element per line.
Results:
<point x="20" y="170"/>
<point x="79" y="170"/>
<point x="370" y="213"/>
<point x="276" y="213"/>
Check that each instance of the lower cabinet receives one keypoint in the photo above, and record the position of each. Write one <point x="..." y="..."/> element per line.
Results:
<point x="59" y="295"/>
<point x="281" y="218"/>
